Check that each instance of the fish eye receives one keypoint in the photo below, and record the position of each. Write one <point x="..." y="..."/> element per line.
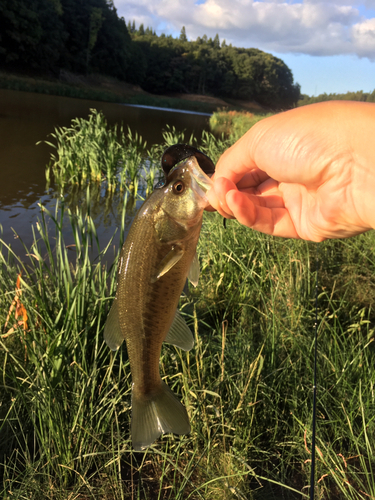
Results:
<point x="178" y="187"/>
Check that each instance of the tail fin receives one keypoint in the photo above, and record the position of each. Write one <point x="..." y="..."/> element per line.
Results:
<point x="157" y="414"/>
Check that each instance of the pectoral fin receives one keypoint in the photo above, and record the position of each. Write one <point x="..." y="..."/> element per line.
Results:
<point x="112" y="330"/>
<point x="194" y="271"/>
<point x="179" y="334"/>
<point x="168" y="262"/>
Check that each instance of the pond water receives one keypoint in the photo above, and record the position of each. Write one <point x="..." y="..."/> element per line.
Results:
<point x="25" y="119"/>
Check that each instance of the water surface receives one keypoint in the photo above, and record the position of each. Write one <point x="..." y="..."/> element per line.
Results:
<point x="26" y="118"/>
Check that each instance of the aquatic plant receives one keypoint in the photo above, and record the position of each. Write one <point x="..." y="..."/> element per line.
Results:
<point x="90" y="151"/>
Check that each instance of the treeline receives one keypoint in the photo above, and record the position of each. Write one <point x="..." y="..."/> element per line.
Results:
<point x="87" y="36"/>
<point x="81" y="36"/>
<point x="206" y="66"/>
<point x="349" y="96"/>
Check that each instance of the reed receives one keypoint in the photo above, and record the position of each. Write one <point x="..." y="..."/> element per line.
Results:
<point x="65" y="398"/>
<point x="91" y="152"/>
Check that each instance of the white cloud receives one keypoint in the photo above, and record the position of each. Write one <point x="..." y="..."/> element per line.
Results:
<point x="363" y="37"/>
<point x="307" y="27"/>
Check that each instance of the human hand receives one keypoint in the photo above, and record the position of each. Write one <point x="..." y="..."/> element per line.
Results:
<point x="306" y="173"/>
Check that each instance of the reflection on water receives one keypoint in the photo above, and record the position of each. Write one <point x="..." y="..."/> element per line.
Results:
<point x="25" y="119"/>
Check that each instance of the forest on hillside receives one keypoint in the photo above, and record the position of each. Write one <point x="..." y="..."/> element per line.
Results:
<point x="87" y="36"/>
<point x="206" y="66"/>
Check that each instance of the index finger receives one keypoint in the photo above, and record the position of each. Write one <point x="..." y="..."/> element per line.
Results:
<point x="235" y="162"/>
<point x="253" y="179"/>
<point x="238" y="163"/>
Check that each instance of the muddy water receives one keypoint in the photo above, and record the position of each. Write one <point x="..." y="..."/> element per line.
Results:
<point x="26" y="118"/>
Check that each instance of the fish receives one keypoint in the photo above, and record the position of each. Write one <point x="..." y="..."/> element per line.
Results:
<point x="158" y="255"/>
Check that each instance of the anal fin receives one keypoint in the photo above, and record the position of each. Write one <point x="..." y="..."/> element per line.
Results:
<point x="112" y="330"/>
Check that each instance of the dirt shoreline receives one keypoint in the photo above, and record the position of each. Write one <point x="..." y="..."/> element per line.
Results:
<point x="105" y="88"/>
<point x="129" y="90"/>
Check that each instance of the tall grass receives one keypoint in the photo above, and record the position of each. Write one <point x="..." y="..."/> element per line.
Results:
<point x="247" y="384"/>
<point x="234" y="123"/>
<point x="53" y="374"/>
<point x="264" y="288"/>
<point x="65" y="398"/>
<point x="90" y="151"/>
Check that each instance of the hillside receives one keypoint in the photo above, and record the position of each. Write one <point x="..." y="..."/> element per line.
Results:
<point x="88" y="37"/>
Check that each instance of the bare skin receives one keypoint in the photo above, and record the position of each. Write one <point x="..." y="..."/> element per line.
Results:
<point x="306" y="173"/>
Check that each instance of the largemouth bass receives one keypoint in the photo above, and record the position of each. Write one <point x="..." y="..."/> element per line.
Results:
<point x="158" y="255"/>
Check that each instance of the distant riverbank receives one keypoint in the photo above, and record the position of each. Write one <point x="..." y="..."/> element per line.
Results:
<point x="109" y="89"/>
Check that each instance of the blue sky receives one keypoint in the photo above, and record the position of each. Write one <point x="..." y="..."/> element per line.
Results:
<point x="329" y="46"/>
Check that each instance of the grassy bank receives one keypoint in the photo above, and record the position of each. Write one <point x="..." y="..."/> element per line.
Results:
<point x="247" y="383"/>
<point x="98" y="88"/>
<point x="65" y="399"/>
<point x="235" y="123"/>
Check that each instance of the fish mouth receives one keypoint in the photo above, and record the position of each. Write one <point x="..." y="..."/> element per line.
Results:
<point x="199" y="165"/>
<point x="177" y="153"/>
<point x="201" y="180"/>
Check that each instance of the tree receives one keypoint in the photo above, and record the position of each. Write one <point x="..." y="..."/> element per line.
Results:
<point x="96" y="21"/>
<point x="112" y="53"/>
<point x="76" y="20"/>
<point x="31" y="34"/>
<point x="86" y="36"/>
<point x="183" y="37"/>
